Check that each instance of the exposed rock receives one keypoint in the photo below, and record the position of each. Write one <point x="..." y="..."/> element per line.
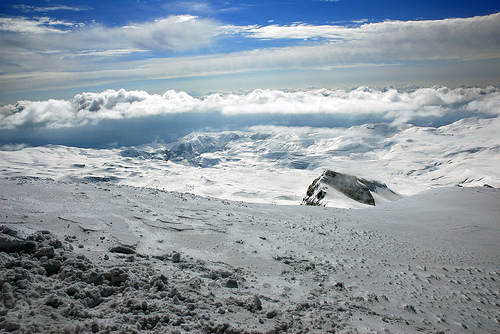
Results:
<point x="9" y="243"/>
<point x="47" y="251"/>
<point x="54" y="301"/>
<point x="117" y="276"/>
<point x="255" y="304"/>
<point x="176" y="257"/>
<point x="231" y="283"/>
<point x="11" y="326"/>
<point x="354" y="188"/>
<point x="122" y="249"/>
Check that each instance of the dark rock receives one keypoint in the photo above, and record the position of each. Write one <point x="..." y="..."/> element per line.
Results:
<point x="10" y="244"/>
<point x="173" y="292"/>
<point x="224" y="273"/>
<point x="176" y="257"/>
<point x="11" y="326"/>
<point x="122" y="249"/>
<point x="94" y="327"/>
<point x="117" y="276"/>
<point x="94" y="278"/>
<point x="53" y="301"/>
<point x="48" y="251"/>
<point x="271" y="314"/>
<point x="93" y="298"/>
<point x="107" y="291"/>
<point x="8" y="296"/>
<point x="339" y="285"/>
<point x="353" y="187"/>
<point x="254" y="304"/>
<point x="231" y="283"/>
<point x="72" y="290"/>
<point x="52" y="267"/>
<point x="9" y="231"/>
<point x="29" y="246"/>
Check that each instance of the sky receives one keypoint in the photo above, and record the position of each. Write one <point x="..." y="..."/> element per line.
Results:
<point x="57" y="49"/>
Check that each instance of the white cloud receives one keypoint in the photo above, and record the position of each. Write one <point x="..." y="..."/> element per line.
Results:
<point x="391" y="105"/>
<point x="294" y="31"/>
<point x="13" y="147"/>
<point x="48" y="48"/>
<point x="53" y="57"/>
<point x="108" y="53"/>
<point x="460" y="38"/>
<point x="171" y="33"/>
<point x="28" y="8"/>
<point x="39" y="25"/>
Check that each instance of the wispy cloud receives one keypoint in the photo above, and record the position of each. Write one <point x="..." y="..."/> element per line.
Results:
<point x="108" y="53"/>
<point x="30" y="9"/>
<point x="45" y="45"/>
<point x="37" y="25"/>
<point x="459" y="32"/>
<point x="295" y="31"/>
<point x="203" y="8"/>
<point x="37" y="51"/>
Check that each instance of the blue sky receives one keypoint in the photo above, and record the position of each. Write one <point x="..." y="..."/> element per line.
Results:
<point x="56" y="49"/>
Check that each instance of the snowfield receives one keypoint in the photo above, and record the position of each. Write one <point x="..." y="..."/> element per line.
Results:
<point x="82" y="257"/>
<point x="206" y="234"/>
<point x="269" y="164"/>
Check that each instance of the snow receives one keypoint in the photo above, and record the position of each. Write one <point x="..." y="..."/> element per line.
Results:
<point x="277" y="164"/>
<point x="206" y="234"/>
<point x="111" y="257"/>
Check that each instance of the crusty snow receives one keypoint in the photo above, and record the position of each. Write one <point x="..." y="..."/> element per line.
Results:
<point x="101" y="257"/>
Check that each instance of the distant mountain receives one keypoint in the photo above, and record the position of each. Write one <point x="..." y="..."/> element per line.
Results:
<point x="193" y="149"/>
<point x="270" y="164"/>
<point x="344" y="190"/>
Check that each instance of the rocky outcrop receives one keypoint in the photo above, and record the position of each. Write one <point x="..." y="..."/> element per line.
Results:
<point x="352" y="187"/>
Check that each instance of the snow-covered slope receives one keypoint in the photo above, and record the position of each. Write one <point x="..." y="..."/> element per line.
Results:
<point x="346" y="191"/>
<point x="112" y="258"/>
<point x="276" y="164"/>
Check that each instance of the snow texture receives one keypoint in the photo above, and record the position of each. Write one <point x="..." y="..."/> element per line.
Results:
<point x="101" y="257"/>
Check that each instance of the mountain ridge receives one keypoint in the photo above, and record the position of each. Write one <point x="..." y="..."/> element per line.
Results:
<point x="360" y="190"/>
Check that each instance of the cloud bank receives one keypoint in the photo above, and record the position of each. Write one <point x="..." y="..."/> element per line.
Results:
<point x="138" y="117"/>
<point x="49" y="46"/>
<point x="42" y="53"/>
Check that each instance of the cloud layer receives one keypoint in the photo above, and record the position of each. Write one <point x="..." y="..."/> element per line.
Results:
<point x="43" y="53"/>
<point x="59" y="45"/>
<point x="165" y="117"/>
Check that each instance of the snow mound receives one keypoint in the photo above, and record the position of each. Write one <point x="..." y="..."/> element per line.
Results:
<point x="344" y="190"/>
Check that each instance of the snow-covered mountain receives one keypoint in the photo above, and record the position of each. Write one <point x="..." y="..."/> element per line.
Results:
<point x="183" y="237"/>
<point x="193" y="149"/>
<point x="268" y="164"/>
<point x="345" y="191"/>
